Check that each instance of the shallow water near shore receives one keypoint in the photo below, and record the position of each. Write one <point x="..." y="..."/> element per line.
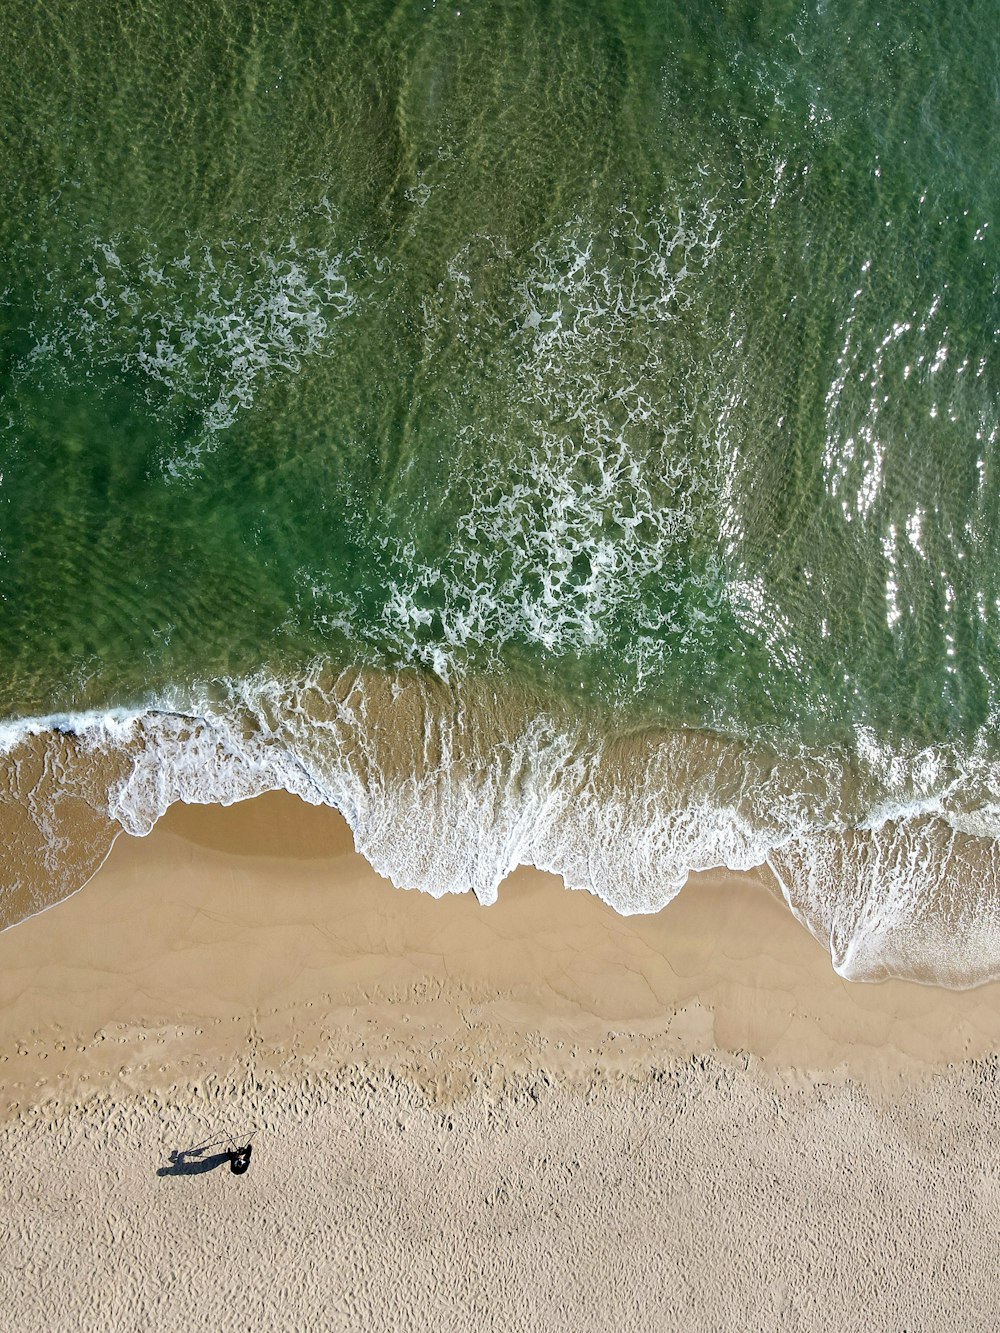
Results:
<point x="562" y="434"/>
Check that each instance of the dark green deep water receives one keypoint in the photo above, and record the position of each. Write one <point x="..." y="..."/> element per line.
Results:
<point x="646" y="351"/>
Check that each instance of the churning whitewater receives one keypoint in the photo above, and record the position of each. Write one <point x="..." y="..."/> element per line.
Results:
<point x="550" y="434"/>
<point x="448" y="787"/>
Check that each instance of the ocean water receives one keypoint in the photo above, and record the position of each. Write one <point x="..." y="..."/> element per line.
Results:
<point x="554" y="432"/>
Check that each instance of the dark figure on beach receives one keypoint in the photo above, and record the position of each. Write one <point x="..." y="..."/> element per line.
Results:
<point x="239" y="1159"/>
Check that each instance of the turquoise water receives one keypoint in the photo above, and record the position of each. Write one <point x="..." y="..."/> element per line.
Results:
<point x="640" y="354"/>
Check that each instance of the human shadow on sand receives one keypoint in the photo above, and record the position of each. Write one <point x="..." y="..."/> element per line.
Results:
<point x="194" y="1161"/>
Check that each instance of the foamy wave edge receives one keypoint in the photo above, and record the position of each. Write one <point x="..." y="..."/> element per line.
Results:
<point x="892" y="862"/>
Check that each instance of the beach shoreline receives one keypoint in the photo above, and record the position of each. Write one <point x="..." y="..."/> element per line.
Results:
<point x="261" y="920"/>
<point x="467" y="1116"/>
<point x="452" y="787"/>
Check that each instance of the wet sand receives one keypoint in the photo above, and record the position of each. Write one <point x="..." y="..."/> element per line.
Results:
<point x="244" y="968"/>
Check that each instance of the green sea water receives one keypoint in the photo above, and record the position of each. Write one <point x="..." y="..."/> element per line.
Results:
<point x="634" y="358"/>
<point x="647" y="350"/>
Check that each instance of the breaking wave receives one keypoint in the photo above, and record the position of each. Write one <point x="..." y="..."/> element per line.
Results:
<point x="620" y="392"/>
<point x="892" y="864"/>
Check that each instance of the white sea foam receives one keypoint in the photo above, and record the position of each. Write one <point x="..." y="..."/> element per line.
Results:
<point x="600" y="473"/>
<point x="910" y="898"/>
<point x="615" y="448"/>
<point x="448" y="788"/>
<point x="207" y="329"/>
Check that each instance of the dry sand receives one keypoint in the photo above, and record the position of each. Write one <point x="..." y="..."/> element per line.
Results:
<point x="534" y="1115"/>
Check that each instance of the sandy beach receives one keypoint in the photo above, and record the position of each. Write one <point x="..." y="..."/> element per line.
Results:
<point x="450" y="453"/>
<point x="537" y="1114"/>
